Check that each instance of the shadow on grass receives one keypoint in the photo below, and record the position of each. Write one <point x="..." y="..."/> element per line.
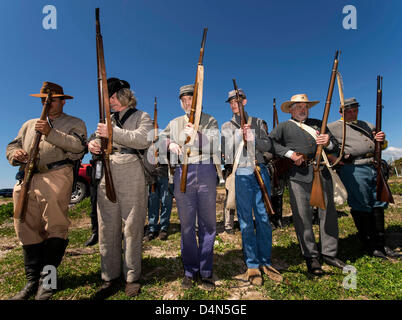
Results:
<point x="351" y="248"/>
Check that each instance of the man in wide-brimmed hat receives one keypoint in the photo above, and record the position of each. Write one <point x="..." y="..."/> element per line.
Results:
<point x="121" y="253"/>
<point x="297" y="139"/>
<point x="359" y="176"/>
<point x="44" y="232"/>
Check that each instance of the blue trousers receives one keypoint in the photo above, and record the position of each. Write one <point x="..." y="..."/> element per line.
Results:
<point x="163" y="199"/>
<point x="256" y="240"/>
<point x="199" y="201"/>
<point x="361" y="184"/>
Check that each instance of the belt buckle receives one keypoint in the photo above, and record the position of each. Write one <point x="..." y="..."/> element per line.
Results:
<point x="42" y="169"/>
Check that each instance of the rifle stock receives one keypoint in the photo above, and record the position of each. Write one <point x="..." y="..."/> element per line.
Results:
<point x="183" y="179"/>
<point x="383" y="191"/>
<point x="257" y="170"/>
<point x="317" y="193"/>
<point x="104" y="112"/>
<point x="22" y="202"/>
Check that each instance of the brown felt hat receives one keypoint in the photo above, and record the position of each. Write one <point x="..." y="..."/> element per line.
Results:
<point x="295" y="99"/>
<point x="55" y="89"/>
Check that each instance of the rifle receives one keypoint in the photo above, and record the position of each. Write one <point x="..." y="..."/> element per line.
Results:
<point x="183" y="180"/>
<point x="153" y="186"/>
<point x="275" y="120"/>
<point x="317" y="193"/>
<point x="383" y="191"/>
<point x="257" y="169"/>
<point x="30" y="167"/>
<point x="274" y="161"/>
<point x="104" y="112"/>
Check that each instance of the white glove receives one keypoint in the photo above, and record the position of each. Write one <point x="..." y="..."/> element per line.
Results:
<point x="175" y="148"/>
<point x="188" y="131"/>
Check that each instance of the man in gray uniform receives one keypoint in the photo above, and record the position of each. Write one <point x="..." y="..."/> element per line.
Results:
<point x="359" y="176"/>
<point x="254" y="222"/>
<point x="130" y="132"/>
<point x="293" y="140"/>
<point x="199" y="200"/>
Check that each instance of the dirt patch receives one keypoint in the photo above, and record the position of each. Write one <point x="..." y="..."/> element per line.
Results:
<point x="7" y="244"/>
<point x="5" y="200"/>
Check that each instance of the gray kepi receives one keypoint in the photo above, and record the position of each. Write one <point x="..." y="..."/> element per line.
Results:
<point x="187" y="90"/>
<point x="232" y="94"/>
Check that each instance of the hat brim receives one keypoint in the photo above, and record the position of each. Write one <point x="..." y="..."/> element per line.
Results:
<point x="241" y="96"/>
<point x="286" y="105"/>
<point x="44" y="95"/>
<point x="354" y="105"/>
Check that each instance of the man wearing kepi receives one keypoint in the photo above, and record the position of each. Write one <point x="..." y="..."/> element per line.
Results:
<point x="199" y="199"/>
<point x="44" y="231"/>
<point x="130" y="131"/>
<point x="358" y="174"/>
<point x="297" y="139"/>
<point x="256" y="240"/>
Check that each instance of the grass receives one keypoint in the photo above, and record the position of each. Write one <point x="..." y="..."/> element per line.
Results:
<point x="162" y="271"/>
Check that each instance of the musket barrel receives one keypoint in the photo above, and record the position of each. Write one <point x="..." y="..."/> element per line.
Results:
<point x="183" y="179"/>
<point x="317" y="193"/>
<point x="104" y="111"/>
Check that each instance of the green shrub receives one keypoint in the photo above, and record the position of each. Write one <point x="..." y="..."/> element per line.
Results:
<point x="6" y="211"/>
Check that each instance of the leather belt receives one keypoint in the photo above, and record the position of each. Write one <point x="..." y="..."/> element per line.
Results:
<point x="124" y="150"/>
<point x="352" y="159"/>
<point x="54" y="165"/>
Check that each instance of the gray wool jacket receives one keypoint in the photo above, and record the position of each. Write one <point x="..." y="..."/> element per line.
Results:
<point x="288" y="136"/>
<point x="230" y="141"/>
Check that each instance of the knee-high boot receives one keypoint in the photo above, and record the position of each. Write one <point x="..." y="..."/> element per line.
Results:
<point x="53" y="254"/>
<point x="361" y="226"/>
<point x="33" y="261"/>
<point x="378" y="215"/>
<point x="277" y="203"/>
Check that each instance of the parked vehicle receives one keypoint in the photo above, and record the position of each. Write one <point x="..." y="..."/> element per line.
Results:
<point x="6" y="193"/>
<point x="83" y="182"/>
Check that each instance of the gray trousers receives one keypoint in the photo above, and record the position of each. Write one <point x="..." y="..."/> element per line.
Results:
<point x="121" y="224"/>
<point x="303" y="218"/>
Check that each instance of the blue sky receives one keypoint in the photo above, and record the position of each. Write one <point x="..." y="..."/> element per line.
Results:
<point x="273" y="48"/>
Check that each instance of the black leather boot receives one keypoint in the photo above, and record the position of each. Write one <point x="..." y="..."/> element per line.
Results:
<point x="378" y="215"/>
<point x="53" y="254"/>
<point x="362" y="227"/>
<point x="375" y="241"/>
<point x="33" y="261"/>
<point x="277" y="203"/>
<point x="92" y="240"/>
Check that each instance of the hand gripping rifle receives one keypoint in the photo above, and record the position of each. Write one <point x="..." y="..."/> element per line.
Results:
<point x="30" y="167"/>
<point x="317" y="193"/>
<point x="104" y="112"/>
<point x="153" y="186"/>
<point x="383" y="191"/>
<point x="183" y="180"/>
<point x="257" y="170"/>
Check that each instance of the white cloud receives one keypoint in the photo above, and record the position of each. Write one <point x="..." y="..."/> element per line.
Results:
<point x="392" y="152"/>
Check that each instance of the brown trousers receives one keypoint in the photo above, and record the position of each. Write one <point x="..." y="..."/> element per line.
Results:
<point x="47" y="213"/>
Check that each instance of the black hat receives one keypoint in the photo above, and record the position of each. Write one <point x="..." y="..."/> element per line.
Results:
<point x="115" y="84"/>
